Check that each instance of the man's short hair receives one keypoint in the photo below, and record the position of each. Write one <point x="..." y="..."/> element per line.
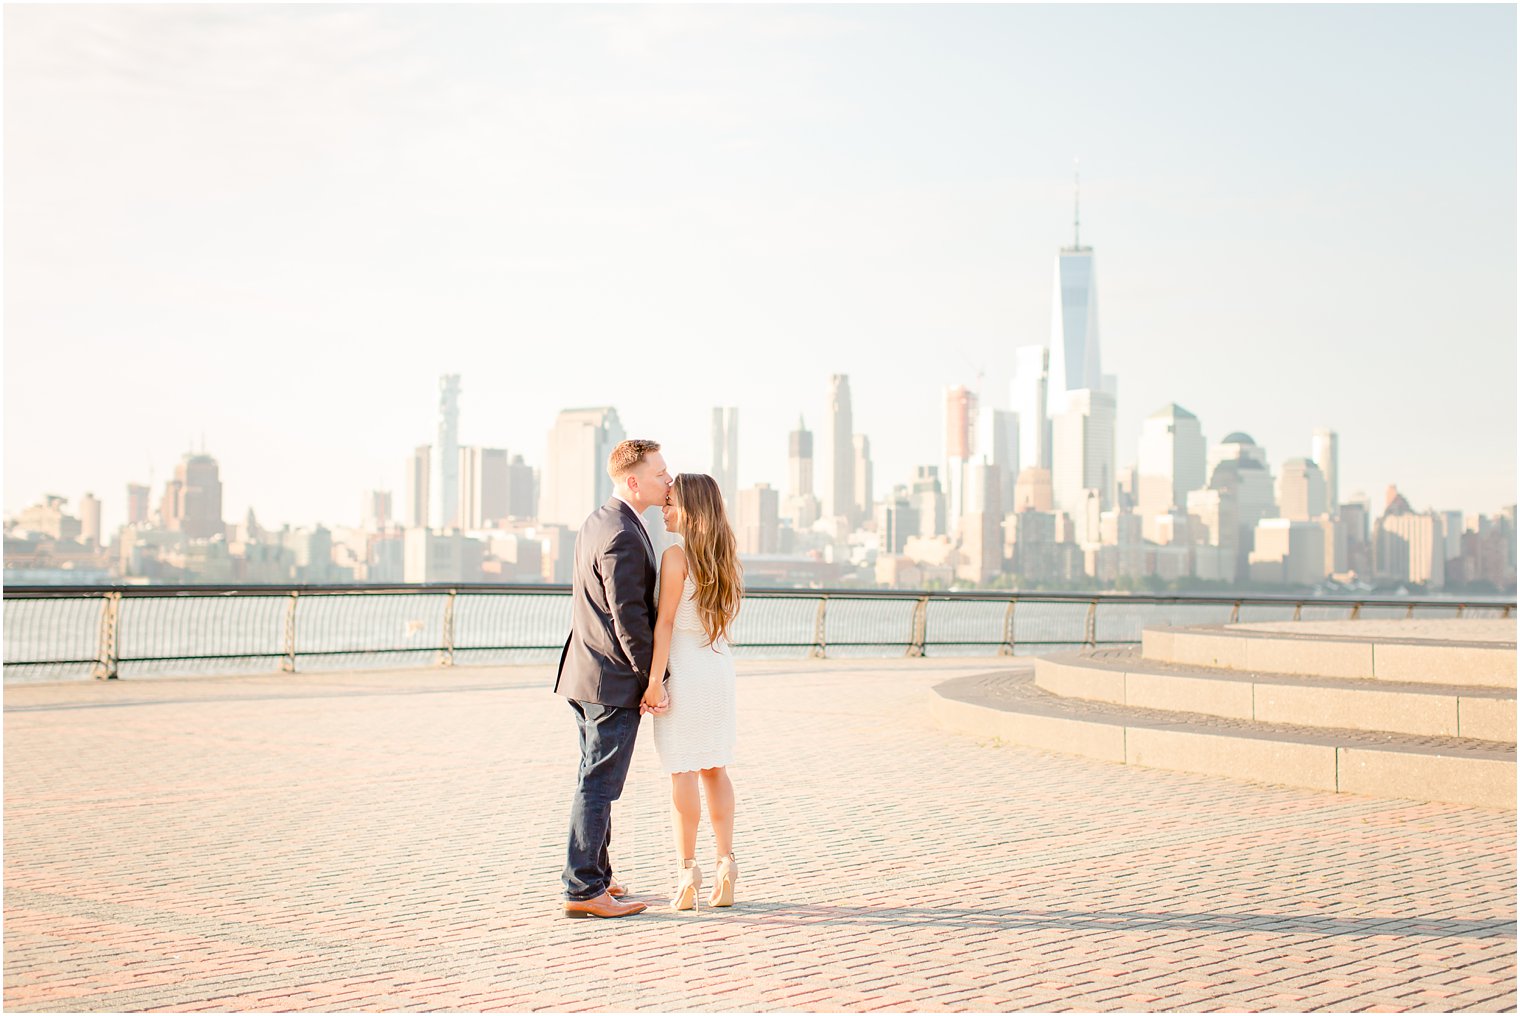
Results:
<point x="627" y="455"/>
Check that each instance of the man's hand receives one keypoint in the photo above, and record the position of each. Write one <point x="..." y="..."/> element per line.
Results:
<point x="656" y="700"/>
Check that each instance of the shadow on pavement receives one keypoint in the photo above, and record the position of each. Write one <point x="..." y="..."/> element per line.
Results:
<point x="1009" y="919"/>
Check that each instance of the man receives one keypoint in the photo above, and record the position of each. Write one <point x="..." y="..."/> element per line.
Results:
<point x="604" y="669"/>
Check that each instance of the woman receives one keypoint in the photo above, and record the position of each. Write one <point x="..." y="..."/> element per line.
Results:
<point x="699" y="594"/>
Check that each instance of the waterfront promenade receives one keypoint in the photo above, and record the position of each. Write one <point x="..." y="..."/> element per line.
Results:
<point x="392" y="841"/>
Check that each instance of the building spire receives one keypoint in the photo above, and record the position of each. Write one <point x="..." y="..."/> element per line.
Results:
<point x="1076" y="222"/>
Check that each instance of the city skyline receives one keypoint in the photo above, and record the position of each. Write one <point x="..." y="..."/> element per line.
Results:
<point x="296" y="305"/>
<point x="991" y="521"/>
<point x="422" y="470"/>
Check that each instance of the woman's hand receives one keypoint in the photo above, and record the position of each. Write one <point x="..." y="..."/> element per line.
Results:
<point x="656" y="699"/>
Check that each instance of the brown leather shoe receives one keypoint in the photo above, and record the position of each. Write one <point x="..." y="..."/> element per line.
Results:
<point x="601" y="906"/>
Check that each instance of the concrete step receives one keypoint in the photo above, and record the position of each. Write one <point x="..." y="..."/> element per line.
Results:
<point x="1126" y="678"/>
<point x="1448" y="653"/>
<point x="1008" y="705"/>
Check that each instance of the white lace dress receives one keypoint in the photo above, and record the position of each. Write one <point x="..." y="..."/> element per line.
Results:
<point x="699" y="730"/>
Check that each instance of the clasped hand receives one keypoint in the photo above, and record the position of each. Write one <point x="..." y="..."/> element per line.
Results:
<point x="656" y="700"/>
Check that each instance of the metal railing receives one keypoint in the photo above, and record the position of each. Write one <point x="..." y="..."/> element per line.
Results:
<point x="54" y="632"/>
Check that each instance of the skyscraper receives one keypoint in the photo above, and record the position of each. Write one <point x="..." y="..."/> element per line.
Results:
<point x="484" y="487"/>
<point x="575" y="479"/>
<point x="1082" y="451"/>
<point x="927" y="497"/>
<point x="725" y="453"/>
<point x="865" y="480"/>
<point x="799" y="461"/>
<point x="1288" y="551"/>
<point x="1032" y="491"/>
<point x="960" y="443"/>
<point x="839" y="449"/>
<point x="522" y="484"/>
<point x="1409" y="547"/>
<point x="1074" y="353"/>
<point x="448" y="450"/>
<point x="1238" y="465"/>
<point x="50" y="518"/>
<point x="981" y="525"/>
<point x="192" y="501"/>
<point x="1327" y="452"/>
<point x="1236" y="446"/>
<point x="896" y="522"/>
<point x="89" y="520"/>
<point x="1355" y="521"/>
<point x="1451" y="525"/>
<point x="137" y="503"/>
<point x="1301" y="490"/>
<point x="1031" y="376"/>
<point x="1171" y="460"/>
<point x="755" y="527"/>
<point x="417" y="487"/>
<point x="997" y="443"/>
<point x="1075" y="357"/>
<point x="1218" y="512"/>
<point x="801" y="504"/>
<point x="376" y="517"/>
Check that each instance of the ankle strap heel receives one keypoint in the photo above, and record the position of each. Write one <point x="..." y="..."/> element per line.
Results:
<point x="688" y="884"/>
<point x="723" y="882"/>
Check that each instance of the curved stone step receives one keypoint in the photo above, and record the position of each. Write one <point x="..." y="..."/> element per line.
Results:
<point x="1008" y="705"/>
<point x="1465" y="653"/>
<point x="1126" y="678"/>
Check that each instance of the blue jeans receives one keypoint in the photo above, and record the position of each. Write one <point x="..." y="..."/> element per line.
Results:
<point x="607" y="735"/>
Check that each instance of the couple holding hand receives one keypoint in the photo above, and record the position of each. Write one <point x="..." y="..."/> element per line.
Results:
<point x="650" y="635"/>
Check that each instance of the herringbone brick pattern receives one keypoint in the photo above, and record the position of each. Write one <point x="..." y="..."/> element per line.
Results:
<point x="393" y="840"/>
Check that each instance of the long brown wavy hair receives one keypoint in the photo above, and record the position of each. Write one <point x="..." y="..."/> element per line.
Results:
<point x="712" y="553"/>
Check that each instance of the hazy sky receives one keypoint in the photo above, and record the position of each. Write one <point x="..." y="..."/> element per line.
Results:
<point x="276" y="226"/>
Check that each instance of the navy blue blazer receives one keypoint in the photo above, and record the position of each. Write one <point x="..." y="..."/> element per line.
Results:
<point x="611" y="645"/>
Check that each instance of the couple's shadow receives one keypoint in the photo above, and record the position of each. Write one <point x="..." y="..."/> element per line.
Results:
<point x="773" y="913"/>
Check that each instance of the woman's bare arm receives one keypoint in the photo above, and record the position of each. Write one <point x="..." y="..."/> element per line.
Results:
<point x="672" y="586"/>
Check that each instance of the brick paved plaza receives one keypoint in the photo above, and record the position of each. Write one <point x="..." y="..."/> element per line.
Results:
<point x="392" y="840"/>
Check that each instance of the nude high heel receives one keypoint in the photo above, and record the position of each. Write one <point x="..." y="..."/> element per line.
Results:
<point x="723" y="882"/>
<point x="687" y="888"/>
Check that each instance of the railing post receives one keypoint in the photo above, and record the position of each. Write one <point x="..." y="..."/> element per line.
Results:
<point x="920" y="627"/>
<point x="1461" y="609"/>
<point x="446" y="657"/>
<point x="1006" y="649"/>
<point x="1298" y="610"/>
<point x="1409" y="613"/>
<point x="1506" y="610"/>
<point x="288" y="664"/>
<point x="1356" y="611"/>
<point x="1235" y="613"/>
<point x="106" y="659"/>
<point x="1090" y="636"/>
<point x="820" y="640"/>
